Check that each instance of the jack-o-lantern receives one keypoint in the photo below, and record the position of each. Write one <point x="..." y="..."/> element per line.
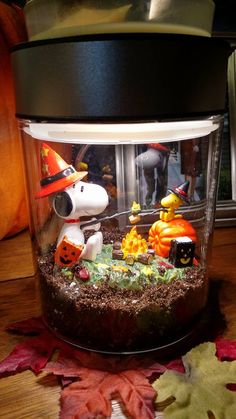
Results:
<point x="162" y="233"/>
<point x="67" y="253"/>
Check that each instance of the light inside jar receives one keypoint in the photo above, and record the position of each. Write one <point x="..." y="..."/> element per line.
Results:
<point x="132" y="133"/>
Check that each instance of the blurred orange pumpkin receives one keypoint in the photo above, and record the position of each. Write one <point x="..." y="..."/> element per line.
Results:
<point x="161" y="233"/>
<point x="13" y="204"/>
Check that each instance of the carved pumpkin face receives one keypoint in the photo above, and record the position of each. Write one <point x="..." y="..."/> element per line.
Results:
<point x="67" y="253"/>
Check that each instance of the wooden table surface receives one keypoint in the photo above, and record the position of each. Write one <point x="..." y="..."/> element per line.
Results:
<point x="27" y="396"/>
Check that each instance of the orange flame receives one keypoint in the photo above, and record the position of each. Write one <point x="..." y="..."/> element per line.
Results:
<point x="133" y="243"/>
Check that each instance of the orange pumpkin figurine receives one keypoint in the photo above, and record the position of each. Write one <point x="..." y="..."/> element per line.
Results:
<point x="161" y="233"/>
<point x="171" y="225"/>
<point x="67" y="253"/>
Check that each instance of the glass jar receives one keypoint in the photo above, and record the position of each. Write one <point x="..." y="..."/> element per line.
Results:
<point x="59" y="18"/>
<point x="122" y="221"/>
<point x="121" y="161"/>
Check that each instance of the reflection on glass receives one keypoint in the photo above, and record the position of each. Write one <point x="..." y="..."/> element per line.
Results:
<point x="225" y="185"/>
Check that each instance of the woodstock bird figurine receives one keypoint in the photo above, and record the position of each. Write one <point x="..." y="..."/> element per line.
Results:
<point x="177" y="197"/>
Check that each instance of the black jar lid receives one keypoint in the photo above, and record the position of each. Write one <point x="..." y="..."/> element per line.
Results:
<point x="120" y="77"/>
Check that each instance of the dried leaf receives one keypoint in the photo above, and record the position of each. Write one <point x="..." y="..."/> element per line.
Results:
<point x="175" y="365"/>
<point x="31" y="326"/>
<point x="91" y="379"/>
<point x="226" y="349"/>
<point x="33" y="353"/>
<point x="90" y="396"/>
<point x="203" y="389"/>
<point x="116" y="364"/>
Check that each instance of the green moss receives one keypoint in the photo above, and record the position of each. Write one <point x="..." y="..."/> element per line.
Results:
<point x="133" y="277"/>
<point x="67" y="272"/>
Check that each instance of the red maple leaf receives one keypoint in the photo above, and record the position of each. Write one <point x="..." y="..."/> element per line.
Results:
<point x="176" y="365"/>
<point x="91" y="379"/>
<point x="32" y="353"/>
<point x="33" y="326"/>
<point x="226" y="349"/>
<point x="90" y="395"/>
<point x="35" y="352"/>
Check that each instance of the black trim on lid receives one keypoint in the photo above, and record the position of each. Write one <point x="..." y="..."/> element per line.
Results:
<point x="120" y="77"/>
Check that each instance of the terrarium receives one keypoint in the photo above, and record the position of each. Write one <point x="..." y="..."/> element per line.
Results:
<point x="121" y="138"/>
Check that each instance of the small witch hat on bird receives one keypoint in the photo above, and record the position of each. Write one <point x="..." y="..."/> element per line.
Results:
<point x="182" y="191"/>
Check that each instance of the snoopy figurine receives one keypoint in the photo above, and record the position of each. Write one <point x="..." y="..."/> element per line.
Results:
<point x="71" y="199"/>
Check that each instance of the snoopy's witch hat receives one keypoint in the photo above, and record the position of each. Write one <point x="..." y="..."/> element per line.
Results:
<point x="57" y="174"/>
<point x="181" y="191"/>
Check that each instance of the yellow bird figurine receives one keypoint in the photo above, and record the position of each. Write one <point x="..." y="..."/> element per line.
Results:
<point x="177" y="197"/>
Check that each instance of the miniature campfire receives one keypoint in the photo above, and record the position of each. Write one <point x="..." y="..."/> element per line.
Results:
<point x="132" y="248"/>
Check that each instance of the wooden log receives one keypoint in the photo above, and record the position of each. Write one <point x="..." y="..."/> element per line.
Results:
<point x="117" y="254"/>
<point x="145" y="258"/>
<point x="117" y="245"/>
<point x="130" y="259"/>
<point x="151" y="252"/>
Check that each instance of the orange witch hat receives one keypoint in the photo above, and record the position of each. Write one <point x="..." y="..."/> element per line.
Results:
<point x="57" y="174"/>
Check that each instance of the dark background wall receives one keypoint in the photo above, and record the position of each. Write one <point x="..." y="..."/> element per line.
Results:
<point x="225" y="16"/>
